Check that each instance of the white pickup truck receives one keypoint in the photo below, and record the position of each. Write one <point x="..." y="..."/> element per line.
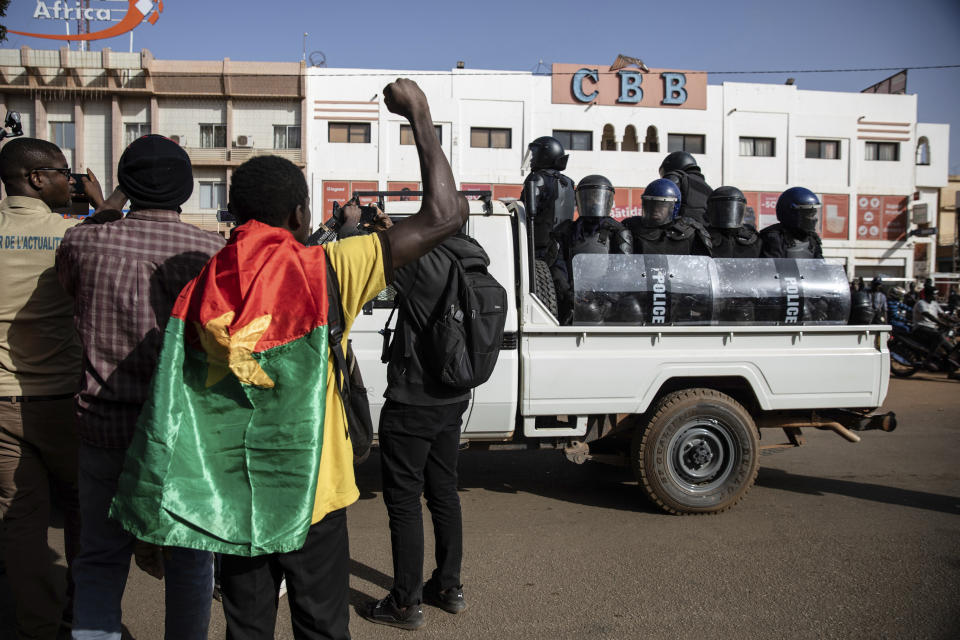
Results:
<point x="684" y="406"/>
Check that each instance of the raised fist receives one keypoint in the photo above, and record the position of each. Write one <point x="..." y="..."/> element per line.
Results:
<point x="404" y="98"/>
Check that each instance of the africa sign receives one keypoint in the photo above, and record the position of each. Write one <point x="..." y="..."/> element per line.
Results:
<point x="61" y="10"/>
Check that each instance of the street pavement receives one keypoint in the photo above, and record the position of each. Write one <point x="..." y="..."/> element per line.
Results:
<point x="835" y="540"/>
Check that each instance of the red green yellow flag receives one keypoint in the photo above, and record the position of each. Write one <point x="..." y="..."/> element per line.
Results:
<point x="227" y="450"/>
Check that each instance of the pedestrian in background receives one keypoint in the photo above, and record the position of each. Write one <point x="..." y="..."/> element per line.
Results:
<point x="125" y="277"/>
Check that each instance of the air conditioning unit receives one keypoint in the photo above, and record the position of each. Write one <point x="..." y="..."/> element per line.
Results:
<point x="245" y="141"/>
<point x="180" y="140"/>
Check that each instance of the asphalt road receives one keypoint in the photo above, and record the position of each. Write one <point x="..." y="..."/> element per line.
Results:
<point x="835" y="540"/>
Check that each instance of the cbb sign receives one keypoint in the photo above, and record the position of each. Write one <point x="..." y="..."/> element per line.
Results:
<point x="580" y="84"/>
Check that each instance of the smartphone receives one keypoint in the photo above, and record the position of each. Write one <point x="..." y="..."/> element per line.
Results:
<point x="78" y="184"/>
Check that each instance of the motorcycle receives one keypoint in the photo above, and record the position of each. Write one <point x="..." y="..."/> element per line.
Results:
<point x="908" y="355"/>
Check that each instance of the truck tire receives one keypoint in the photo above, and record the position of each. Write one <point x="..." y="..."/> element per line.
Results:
<point x="543" y="287"/>
<point x="699" y="453"/>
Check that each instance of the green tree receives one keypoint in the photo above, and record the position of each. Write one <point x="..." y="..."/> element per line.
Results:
<point x="3" y="12"/>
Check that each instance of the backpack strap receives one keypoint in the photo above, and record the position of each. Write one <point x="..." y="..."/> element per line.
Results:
<point x="335" y="320"/>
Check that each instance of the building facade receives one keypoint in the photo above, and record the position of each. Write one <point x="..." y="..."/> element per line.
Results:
<point x="877" y="169"/>
<point x="94" y="103"/>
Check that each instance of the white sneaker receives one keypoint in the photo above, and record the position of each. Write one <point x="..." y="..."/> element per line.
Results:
<point x="283" y="588"/>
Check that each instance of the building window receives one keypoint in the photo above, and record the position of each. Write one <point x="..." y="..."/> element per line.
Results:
<point x="406" y="134"/>
<point x="352" y="132"/>
<point x="485" y="137"/>
<point x="652" y="142"/>
<point x="213" y="136"/>
<point x="608" y="141"/>
<point x="923" y="151"/>
<point x="574" y="140"/>
<point x="762" y="147"/>
<point x="213" y="195"/>
<point x="883" y="151"/>
<point x="691" y="143"/>
<point x="135" y="131"/>
<point x="286" y="136"/>
<point x="63" y="135"/>
<point x="630" y="139"/>
<point x="823" y="149"/>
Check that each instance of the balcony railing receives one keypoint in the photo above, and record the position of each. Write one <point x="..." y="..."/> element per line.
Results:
<point x="221" y="156"/>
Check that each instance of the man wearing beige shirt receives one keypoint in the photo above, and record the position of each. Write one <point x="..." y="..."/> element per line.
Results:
<point x="40" y="359"/>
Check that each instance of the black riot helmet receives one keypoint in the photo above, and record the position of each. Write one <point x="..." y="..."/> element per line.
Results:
<point x="798" y="209"/>
<point x="725" y="208"/>
<point x="546" y="152"/>
<point x="677" y="161"/>
<point x="594" y="197"/>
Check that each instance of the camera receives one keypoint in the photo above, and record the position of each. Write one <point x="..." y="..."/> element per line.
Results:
<point x="77" y="188"/>
<point x="13" y="123"/>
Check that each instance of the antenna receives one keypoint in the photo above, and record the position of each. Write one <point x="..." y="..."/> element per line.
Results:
<point x="318" y="59"/>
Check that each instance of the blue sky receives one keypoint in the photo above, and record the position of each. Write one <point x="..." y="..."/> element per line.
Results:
<point x="742" y="35"/>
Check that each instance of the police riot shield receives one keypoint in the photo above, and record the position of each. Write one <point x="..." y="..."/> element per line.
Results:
<point x="643" y="289"/>
<point x="781" y="291"/>
<point x="658" y="290"/>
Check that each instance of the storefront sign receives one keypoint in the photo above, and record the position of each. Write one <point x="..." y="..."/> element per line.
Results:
<point x="881" y="217"/>
<point x="340" y="191"/>
<point x="626" y="203"/>
<point x="136" y="12"/>
<point x="579" y="84"/>
<point x="834" y="216"/>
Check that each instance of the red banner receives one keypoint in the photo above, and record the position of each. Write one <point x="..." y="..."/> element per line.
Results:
<point x="400" y="186"/>
<point x="881" y="217"/>
<point x="767" y="209"/>
<point x="467" y="186"/>
<point x="507" y="191"/>
<point x="334" y="191"/>
<point x="626" y="202"/>
<point x="835" y="216"/>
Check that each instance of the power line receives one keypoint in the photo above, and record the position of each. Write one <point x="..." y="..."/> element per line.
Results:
<point x="331" y="73"/>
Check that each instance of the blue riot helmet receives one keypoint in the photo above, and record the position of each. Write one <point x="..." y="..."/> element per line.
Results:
<point x="594" y="197"/>
<point x="546" y="152"/>
<point x="798" y="208"/>
<point x="660" y="203"/>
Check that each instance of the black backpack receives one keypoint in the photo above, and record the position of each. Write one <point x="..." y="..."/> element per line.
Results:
<point x="347" y="374"/>
<point x="464" y="339"/>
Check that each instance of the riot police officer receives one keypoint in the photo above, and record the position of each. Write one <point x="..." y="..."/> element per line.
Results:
<point x="659" y="229"/>
<point x="594" y="231"/>
<point x="795" y="235"/>
<point x="729" y="236"/>
<point x="681" y="168"/>
<point x="548" y="195"/>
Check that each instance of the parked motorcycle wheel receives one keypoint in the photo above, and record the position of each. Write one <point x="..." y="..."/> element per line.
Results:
<point x="903" y="363"/>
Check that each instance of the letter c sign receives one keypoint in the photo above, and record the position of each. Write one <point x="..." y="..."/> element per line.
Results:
<point x="577" y="84"/>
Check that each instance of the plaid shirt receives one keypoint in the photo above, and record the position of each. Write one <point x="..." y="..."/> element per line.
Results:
<point x="125" y="277"/>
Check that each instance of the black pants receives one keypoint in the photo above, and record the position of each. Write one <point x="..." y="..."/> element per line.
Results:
<point x="318" y="577"/>
<point x="418" y="456"/>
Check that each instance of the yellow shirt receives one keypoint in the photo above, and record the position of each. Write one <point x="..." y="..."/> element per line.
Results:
<point x="360" y="265"/>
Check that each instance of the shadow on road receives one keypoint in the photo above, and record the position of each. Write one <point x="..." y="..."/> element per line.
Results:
<point x="812" y="485"/>
<point x="542" y="473"/>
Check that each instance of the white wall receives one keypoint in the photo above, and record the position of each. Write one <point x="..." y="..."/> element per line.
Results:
<point x="98" y="148"/>
<point x="936" y="173"/>
<point x="183" y="117"/>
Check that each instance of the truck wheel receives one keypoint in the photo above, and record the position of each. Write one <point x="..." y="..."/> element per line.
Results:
<point x="698" y="454"/>
<point x="543" y="286"/>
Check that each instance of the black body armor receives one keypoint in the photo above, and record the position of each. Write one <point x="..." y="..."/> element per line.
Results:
<point x="683" y="237"/>
<point x="742" y="242"/>
<point x="694" y="192"/>
<point x="549" y="199"/>
<point x="780" y="242"/>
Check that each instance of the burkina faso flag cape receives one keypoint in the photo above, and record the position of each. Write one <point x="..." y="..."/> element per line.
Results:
<point x="226" y="453"/>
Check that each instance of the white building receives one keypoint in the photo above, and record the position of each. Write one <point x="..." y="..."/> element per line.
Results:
<point x="877" y="169"/>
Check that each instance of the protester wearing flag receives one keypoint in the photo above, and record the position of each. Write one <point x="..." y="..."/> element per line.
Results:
<point x="243" y="447"/>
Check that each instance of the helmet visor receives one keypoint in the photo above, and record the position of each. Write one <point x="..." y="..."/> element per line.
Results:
<point x="807" y="215"/>
<point x="726" y="214"/>
<point x="657" y="211"/>
<point x="594" y="202"/>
